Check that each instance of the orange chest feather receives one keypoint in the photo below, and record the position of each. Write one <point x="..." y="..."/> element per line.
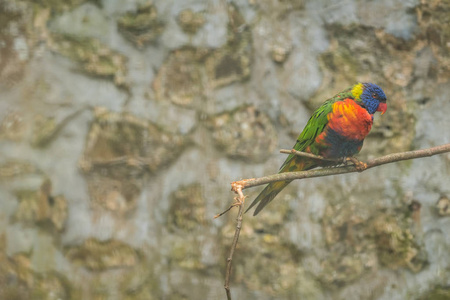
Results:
<point x="350" y="120"/>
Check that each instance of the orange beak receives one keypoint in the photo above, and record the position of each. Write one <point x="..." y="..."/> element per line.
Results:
<point x="382" y="107"/>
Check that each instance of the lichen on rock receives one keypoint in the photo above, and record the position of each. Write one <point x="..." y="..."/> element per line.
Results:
<point x="436" y="293"/>
<point x="51" y="285"/>
<point x="359" y="241"/>
<point x="180" y="79"/>
<point x="395" y="244"/>
<point x="16" y="43"/>
<point x="187" y="254"/>
<point x="107" y="191"/>
<point x="12" y="169"/>
<point x="443" y="206"/>
<point x="189" y="71"/>
<point x="190" y="21"/>
<point x="121" y="145"/>
<point x="231" y="62"/>
<point x="43" y="130"/>
<point x="19" y="281"/>
<point x="41" y="207"/>
<point x="244" y="133"/>
<point x="187" y="209"/>
<point x="143" y="26"/>
<point x="60" y="6"/>
<point x="124" y="139"/>
<point x="96" y="255"/>
<point x="433" y="18"/>
<point x="12" y="127"/>
<point x="94" y="57"/>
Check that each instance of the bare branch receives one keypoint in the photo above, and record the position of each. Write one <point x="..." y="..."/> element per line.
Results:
<point x="395" y="157"/>
<point x="240" y="203"/>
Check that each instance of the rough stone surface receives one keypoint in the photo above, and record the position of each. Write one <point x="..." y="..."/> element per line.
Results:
<point x="122" y="124"/>
<point x="102" y="255"/>
<point x="94" y="57"/>
<point x="41" y="207"/>
<point x="191" y="21"/>
<point x="143" y="26"/>
<point x="245" y="133"/>
<point x="180" y="79"/>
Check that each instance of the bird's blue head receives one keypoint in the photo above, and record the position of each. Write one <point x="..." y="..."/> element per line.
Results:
<point x="372" y="97"/>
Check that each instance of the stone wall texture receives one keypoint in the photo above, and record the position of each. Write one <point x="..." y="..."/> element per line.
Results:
<point x="122" y="124"/>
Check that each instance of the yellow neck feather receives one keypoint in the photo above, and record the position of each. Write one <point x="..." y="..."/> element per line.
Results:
<point x="357" y="90"/>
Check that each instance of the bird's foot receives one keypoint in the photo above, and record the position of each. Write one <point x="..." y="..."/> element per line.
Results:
<point x="359" y="165"/>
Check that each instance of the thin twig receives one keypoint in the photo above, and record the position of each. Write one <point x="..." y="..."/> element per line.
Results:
<point x="225" y="211"/>
<point x="240" y="203"/>
<point x="305" y="154"/>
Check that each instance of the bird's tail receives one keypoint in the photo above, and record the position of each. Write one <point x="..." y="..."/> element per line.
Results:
<point x="267" y="195"/>
<point x="272" y="189"/>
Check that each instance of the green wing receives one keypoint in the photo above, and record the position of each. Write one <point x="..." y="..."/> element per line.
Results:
<point x="313" y="128"/>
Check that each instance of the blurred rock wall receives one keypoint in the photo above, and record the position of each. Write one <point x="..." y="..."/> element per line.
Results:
<point x="122" y="124"/>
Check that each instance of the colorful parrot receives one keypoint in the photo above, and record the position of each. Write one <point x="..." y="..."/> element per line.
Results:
<point x="335" y="130"/>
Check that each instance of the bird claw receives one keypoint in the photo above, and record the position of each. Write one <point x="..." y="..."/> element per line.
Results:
<point x="359" y="165"/>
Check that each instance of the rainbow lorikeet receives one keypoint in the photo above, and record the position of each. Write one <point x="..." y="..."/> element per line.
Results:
<point x="335" y="130"/>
